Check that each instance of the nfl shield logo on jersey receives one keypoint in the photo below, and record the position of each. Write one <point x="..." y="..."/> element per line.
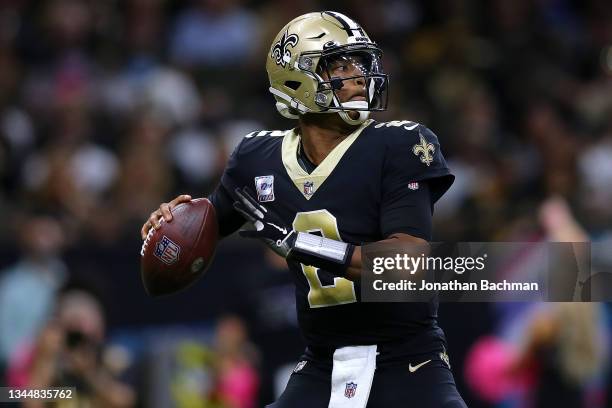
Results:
<point x="265" y="188"/>
<point x="413" y="186"/>
<point x="350" y="389"/>
<point x="167" y="251"/>
<point x="308" y="187"/>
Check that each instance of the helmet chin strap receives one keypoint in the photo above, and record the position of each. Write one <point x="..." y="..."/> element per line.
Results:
<point x="285" y="111"/>
<point x="362" y="115"/>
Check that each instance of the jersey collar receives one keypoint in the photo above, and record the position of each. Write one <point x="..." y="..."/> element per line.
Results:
<point x="308" y="184"/>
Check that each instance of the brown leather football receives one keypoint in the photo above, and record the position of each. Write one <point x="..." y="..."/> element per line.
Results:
<point x="177" y="254"/>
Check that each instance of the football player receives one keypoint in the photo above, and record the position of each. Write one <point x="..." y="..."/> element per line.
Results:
<point x="315" y="193"/>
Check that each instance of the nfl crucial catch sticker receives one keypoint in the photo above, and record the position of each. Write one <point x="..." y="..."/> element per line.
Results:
<point x="413" y="185"/>
<point x="265" y="188"/>
<point x="167" y="250"/>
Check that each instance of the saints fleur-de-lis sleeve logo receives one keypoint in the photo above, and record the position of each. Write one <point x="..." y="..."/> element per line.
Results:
<point x="424" y="150"/>
<point x="280" y="53"/>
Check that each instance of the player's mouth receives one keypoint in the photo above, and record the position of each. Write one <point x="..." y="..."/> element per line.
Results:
<point x="358" y="98"/>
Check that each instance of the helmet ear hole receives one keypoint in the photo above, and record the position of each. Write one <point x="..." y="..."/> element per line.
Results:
<point x="293" y="85"/>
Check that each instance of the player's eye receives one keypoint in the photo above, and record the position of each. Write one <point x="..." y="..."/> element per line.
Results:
<point x="341" y="68"/>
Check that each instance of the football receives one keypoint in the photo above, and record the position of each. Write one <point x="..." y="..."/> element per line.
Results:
<point x="174" y="256"/>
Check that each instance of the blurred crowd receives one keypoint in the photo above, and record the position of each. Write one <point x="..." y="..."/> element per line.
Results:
<point x="108" y="108"/>
<point x="120" y="105"/>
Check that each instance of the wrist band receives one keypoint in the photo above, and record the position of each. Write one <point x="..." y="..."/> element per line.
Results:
<point x="328" y="254"/>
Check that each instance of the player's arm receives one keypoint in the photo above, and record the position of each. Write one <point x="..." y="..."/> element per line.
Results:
<point x="335" y="256"/>
<point x="406" y="215"/>
<point x="353" y="270"/>
<point x="408" y="219"/>
<point x="415" y="177"/>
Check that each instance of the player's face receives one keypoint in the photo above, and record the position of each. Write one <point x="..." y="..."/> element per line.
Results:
<point x="347" y="66"/>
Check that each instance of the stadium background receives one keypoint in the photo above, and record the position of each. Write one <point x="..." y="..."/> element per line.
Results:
<point x="108" y="108"/>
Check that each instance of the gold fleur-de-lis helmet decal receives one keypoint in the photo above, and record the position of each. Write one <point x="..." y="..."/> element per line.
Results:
<point x="424" y="150"/>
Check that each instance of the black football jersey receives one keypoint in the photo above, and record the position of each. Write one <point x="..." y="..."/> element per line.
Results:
<point x="363" y="191"/>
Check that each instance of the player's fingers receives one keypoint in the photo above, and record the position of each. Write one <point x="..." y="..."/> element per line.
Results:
<point x="166" y="208"/>
<point x="249" y="205"/>
<point x="146" y="227"/>
<point x="145" y="230"/>
<point x="238" y="207"/>
<point x="165" y="211"/>
<point x="155" y="218"/>
<point x="151" y="222"/>
<point x="245" y="196"/>
<point x="245" y="201"/>
<point x="183" y="198"/>
<point x="239" y="194"/>
<point x="248" y="194"/>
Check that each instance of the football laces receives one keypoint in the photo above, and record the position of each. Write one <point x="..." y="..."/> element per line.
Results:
<point x="146" y="241"/>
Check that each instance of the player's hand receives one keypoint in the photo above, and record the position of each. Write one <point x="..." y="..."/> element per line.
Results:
<point x="265" y="224"/>
<point x="164" y="211"/>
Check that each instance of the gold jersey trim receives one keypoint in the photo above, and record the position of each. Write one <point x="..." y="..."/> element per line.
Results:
<point x="308" y="184"/>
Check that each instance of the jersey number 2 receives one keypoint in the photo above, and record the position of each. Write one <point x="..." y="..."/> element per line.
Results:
<point x="319" y="295"/>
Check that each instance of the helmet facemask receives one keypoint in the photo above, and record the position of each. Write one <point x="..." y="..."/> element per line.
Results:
<point x="358" y="64"/>
<point x="364" y="68"/>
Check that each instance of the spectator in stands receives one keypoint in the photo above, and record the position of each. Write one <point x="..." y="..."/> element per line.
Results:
<point x="70" y="352"/>
<point x="28" y="288"/>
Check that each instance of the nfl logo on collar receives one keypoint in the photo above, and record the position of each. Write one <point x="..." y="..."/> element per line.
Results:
<point x="350" y="389"/>
<point x="265" y="188"/>
<point x="308" y="187"/>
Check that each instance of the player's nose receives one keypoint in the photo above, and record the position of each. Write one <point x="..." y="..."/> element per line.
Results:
<point x="360" y="81"/>
<point x="357" y="86"/>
